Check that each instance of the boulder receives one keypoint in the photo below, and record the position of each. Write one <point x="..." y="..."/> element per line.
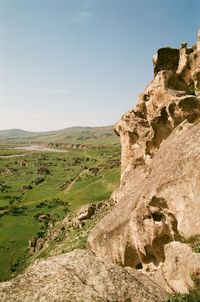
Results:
<point x="180" y="260"/>
<point x="86" y="211"/>
<point x="43" y="217"/>
<point x="39" y="244"/>
<point x="35" y="244"/>
<point x="76" y="223"/>
<point x="79" y="276"/>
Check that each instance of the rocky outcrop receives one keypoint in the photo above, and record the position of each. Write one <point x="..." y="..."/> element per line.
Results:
<point x="158" y="200"/>
<point x="86" y="212"/>
<point x="80" y="276"/>
<point x="35" y="244"/>
<point x="168" y="100"/>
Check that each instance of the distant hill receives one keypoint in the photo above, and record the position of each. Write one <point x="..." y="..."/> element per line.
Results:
<point x="15" y="133"/>
<point x="72" y="135"/>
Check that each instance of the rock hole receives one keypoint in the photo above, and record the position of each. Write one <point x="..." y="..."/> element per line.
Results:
<point x="164" y="115"/>
<point x="157" y="216"/>
<point x="139" y="266"/>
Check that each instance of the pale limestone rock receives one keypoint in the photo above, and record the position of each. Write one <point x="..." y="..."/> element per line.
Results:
<point x="180" y="261"/>
<point x="86" y="212"/>
<point x="158" y="200"/>
<point x="177" y="75"/>
<point x="79" y="276"/>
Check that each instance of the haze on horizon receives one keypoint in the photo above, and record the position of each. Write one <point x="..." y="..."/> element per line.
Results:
<point x="66" y="63"/>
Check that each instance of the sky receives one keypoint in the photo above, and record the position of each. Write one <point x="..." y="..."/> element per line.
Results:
<point x="70" y="63"/>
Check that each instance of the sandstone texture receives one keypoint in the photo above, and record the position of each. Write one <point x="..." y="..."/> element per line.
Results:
<point x="80" y="276"/>
<point x="158" y="201"/>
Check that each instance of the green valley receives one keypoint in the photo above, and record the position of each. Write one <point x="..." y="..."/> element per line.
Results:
<point x="35" y="184"/>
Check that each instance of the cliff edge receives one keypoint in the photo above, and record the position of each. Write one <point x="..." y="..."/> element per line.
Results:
<point x="158" y="203"/>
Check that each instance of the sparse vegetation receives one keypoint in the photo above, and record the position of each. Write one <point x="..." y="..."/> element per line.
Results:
<point x="67" y="236"/>
<point x="194" y="242"/>
<point x="193" y="296"/>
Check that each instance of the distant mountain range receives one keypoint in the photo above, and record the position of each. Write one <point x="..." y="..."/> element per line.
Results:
<point x="72" y="135"/>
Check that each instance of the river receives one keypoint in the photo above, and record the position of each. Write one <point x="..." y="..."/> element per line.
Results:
<point x="33" y="148"/>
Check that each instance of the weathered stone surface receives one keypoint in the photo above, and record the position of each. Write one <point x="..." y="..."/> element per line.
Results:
<point x="86" y="212"/>
<point x="82" y="277"/>
<point x="158" y="200"/>
<point x="170" y="98"/>
<point x="179" y="261"/>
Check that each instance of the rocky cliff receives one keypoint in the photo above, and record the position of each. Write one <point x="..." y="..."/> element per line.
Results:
<point x="158" y="203"/>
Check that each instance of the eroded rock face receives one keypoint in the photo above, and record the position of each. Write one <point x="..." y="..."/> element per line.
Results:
<point x="168" y="100"/>
<point x="82" y="277"/>
<point x="158" y="200"/>
<point x="179" y="261"/>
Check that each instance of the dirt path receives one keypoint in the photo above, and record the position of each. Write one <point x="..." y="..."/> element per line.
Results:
<point x="75" y="180"/>
<point x="82" y="173"/>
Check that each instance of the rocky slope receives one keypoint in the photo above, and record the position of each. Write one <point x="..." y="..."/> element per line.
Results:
<point x="158" y="200"/>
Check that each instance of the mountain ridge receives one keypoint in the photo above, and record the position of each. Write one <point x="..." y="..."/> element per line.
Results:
<point x="75" y="134"/>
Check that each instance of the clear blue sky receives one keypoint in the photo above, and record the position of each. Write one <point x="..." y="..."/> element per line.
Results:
<point x="83" y="62"/>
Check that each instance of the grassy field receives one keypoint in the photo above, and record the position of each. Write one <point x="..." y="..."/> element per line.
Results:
<point x="48" y="183"/>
